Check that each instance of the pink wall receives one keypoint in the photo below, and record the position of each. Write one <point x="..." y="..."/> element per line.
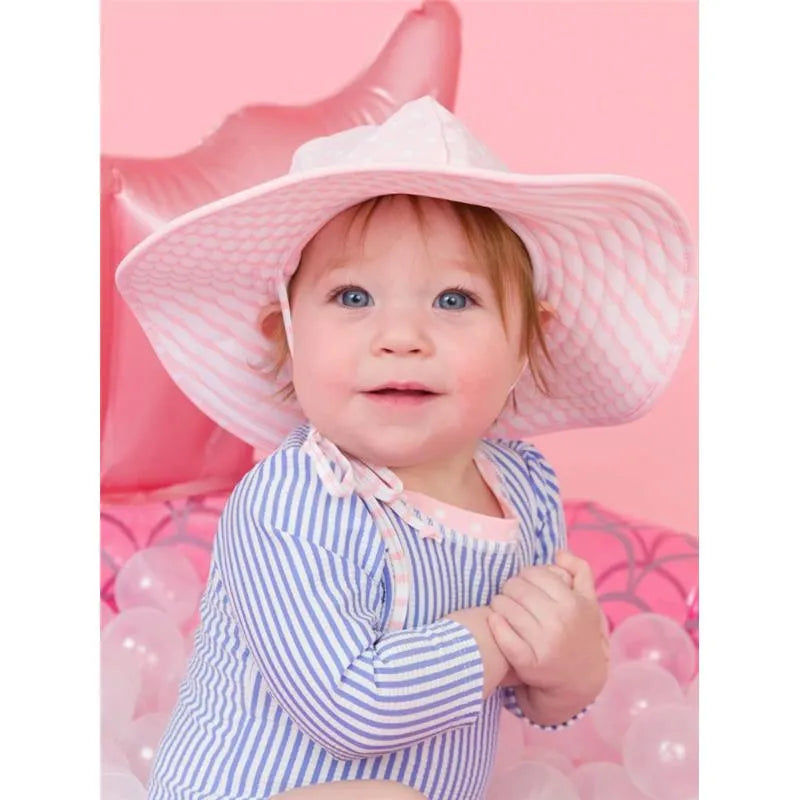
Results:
<point x="550" y="86"/>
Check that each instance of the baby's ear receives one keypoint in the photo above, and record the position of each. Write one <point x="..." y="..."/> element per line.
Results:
<point x="546" y="313"/>
<point x="270" y="320"/>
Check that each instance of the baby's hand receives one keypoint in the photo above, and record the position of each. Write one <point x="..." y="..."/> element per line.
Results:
<point x="560" y="572"/>
<point x="549" y="626"/>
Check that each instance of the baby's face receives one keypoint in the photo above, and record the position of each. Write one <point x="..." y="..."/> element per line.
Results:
<point x="394" y="312"/>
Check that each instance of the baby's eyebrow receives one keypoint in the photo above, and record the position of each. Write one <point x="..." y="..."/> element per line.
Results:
<point x="340" y="265"/>
<point x="454" y="265"/>
<point x="467" y="265"/>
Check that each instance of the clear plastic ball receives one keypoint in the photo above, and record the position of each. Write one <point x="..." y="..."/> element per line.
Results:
<point x="655" y="639"/>
<point x="149" y="640"/>
<point x="632" y="688"/>
<point x="693" y="693"/>
<point x="159" y="577"/>
<point x="140" y="742"/>
<point x="533" y="781"/>
<point x="604" y="780"/>
<point x="118" y="785"/>
<point x="120" y="686"/>
<point x="660" y="752"/>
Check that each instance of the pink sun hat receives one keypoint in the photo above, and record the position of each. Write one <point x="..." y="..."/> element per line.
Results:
<point x="612" y="255"/>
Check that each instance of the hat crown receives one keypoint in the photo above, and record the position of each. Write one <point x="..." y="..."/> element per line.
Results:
<point x="422" y="133"/>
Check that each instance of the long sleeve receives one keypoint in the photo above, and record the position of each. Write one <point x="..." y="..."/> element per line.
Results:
<point x="553" y="534"/>
<point x="311" y="616"/>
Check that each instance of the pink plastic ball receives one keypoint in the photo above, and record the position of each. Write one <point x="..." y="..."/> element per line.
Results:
<point x="632" y="687"/>
<point x="120" y="685"/>
<point x="168" y="695"/>
<point x="532" y="781"/>
<point x="660" y="752"/>
<point x="548" y="755"/>
<point x="189" y="644"/>
<point x="510" y="742"/>
<point x="149" y="639"/>
<point x="140" y="742"/>
<point x="693" y="693"/>
<point x="159" y="577"/>
<point x="191" y="624"/>
<point x="658" y="640"/>
<point x="604" y="780"/>
<point x="121" y="786"/>
<point x="112" y="756"/>
<point x="578" y="742"/>
<point x="106" y="614"/>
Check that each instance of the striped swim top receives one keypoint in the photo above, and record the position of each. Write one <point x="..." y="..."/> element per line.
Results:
<point x="323" y="651"/>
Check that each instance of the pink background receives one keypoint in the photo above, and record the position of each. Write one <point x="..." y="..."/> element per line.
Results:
<point x="549" y="86"/>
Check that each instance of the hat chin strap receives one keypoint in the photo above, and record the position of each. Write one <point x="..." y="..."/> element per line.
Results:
<point x="287" y="324"/>
<point x="519" y="378"/>
<point x="287" y="316"/>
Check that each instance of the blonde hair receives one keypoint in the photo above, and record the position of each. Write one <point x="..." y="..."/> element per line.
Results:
<point x="495" y="246"/>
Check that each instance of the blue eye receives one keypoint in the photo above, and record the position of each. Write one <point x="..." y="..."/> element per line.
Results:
<point x="351" y="297"/>
<point x="455" y="299"/>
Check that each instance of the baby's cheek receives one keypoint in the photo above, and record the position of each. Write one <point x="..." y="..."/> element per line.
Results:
<point x="326" y="377"/>
<point x="473" y="399"/>
<point x="480" y="388"/>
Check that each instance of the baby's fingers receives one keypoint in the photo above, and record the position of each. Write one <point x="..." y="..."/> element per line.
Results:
<point x="525" y="623"/>
<point x="514" y="648"/>
<point x="582" y="577"/>
<point x="561" y="573"/>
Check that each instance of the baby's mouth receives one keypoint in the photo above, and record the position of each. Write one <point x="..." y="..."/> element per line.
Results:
<point x="402" y="388"/>
<point x="402" y="392"/>
<point x="403" y="395"/>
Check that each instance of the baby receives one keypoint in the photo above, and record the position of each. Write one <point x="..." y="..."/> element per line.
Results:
<point x="395" y="572"/>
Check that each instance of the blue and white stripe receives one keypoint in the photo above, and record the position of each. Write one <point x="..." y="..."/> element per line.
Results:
<point x="294" y="679"/>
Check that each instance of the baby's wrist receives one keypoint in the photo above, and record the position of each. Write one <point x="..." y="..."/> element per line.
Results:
<point x="511" y="679"/>
<point x="550" y="706"/>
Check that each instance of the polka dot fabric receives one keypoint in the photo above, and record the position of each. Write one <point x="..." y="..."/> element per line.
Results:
<point x="612" y="255"/>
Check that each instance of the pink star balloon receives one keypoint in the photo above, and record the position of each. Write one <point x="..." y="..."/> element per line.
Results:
<point x="155" y="445"/>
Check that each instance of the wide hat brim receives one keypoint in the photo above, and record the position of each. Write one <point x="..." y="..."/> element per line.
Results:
<point x="613" y="255"/>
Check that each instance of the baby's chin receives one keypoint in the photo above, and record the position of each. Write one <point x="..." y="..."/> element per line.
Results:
<point x="393" y="447"/>
<point x="384" y="448"/>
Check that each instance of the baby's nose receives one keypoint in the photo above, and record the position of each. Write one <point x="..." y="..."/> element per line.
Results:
<point x="402" y="333"/>
<point x="401" y="346"/>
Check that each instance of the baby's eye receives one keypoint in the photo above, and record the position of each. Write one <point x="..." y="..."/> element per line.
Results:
<point x="352" y="297"/>
<point x="455" y="299"/>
